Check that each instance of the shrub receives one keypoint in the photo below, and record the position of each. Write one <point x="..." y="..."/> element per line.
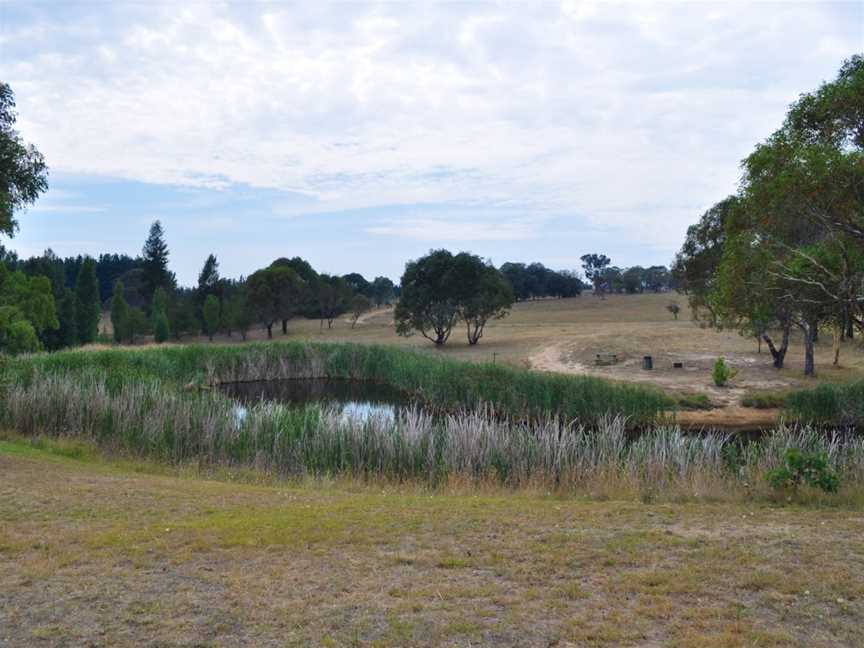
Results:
<point x="722" y="373"/>
<point x="829" y="404"/>
<point x="807" y="468"/>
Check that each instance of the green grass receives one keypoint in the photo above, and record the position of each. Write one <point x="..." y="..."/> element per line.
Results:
<point x="764" y="400"/>
<point x="694" y="402"/>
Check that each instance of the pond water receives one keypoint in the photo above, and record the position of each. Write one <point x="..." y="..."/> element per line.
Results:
<point x="355" y="399"/>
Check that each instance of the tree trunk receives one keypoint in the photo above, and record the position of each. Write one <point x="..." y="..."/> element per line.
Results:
<point x="850" y="327"/>
<point x="809" y="329"/>
<point x="779" y="355"/>
<point x="837" y="332"/>
<point x="270" y="331"/>
<point x="284" y="327"/>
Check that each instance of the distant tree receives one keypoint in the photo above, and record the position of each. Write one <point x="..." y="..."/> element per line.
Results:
<point x="305" y="301"/>
<point x="633" y="280"/>
<point x="485" y="294"/>
<point x="211" y="315"/>
<point x="334" y="296"/>
<point x="358" y="284"/>
<point x="159" y="315"/>
<point x="674" y="308"/>
<point x="23" y="172"/>
<point x="87" y="302"/>
<point x="182" y="319"/>
<point x="208" y="278"/>
<point x="119" y="312"/>
<point x="136" y="324"/>
<point x="594" y="265"/>
<point x="382" y="290"/>
<point x="359" y="305"/>
<point x="429" y="300"/>
<point x="238" y="311"/>
<point x="272" y="294"/>
<point x="155" y="262"/>
<point x="67" y="316"/>
<point x="657" y="278"/>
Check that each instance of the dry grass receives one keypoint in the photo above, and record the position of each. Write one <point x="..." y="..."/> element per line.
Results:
<point x="98" y="553"/>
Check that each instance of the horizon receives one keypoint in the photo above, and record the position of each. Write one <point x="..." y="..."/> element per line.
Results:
<point x="360" y="136"/>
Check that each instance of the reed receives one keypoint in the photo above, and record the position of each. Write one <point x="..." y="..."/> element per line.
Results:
<point x="149" y="418"/>
<point x="441" y="382"/>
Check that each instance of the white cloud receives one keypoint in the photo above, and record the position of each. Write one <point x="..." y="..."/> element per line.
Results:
<point x="589" y="109"/>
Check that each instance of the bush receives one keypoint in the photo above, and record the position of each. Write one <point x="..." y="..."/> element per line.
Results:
<point x="722" y="373"/>
<point x="807" y="468"/>
<point x="829" y="404"/>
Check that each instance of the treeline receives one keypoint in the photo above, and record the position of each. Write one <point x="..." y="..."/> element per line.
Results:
<point x="786" y="251"/>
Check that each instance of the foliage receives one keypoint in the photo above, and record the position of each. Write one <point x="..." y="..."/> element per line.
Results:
<point x="535" y="280"/>
<point x="763" y="400"/>
<point x="119" y="312"/>
<point x="429" y="302"/>
<point x="23" y="172"/>
<point x="137" y="324"/>
<point x="333" y="297"/>
<point x="594" y="265"/>
<point x="159" y="315"/>
<point x="211" y="315"/>
<point x="485" y="295"/>
<point x="87" y="303"/>
<point x="208" y="278"/>
<point x="722" y="373"/>
<point x="17" y="334"/>
<point x="28" y="310"/>
<point x="273" y="294"/>
<point x="803" y="468"/>
<point x="383" y="291"/>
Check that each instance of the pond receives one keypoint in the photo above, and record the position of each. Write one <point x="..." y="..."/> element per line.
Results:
<point x="355" y="399"/>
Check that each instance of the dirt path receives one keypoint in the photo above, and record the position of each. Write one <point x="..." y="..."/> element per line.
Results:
<point x="727" y="413"/>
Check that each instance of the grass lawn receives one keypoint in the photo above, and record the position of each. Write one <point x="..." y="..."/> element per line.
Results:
<point x="112" y="553"/>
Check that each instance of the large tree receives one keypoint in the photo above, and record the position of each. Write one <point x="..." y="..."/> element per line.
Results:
<point x="485" y="294"/>
<point x="23" y="172"/>
<point x="273" y="295"/>
<point x="27" y="309"/>
<point x="594" y="266"/>
<point x="429" y="302"/>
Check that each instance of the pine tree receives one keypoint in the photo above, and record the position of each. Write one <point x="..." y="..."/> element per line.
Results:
<point x="119" y="311"/>
<point x="88" y="308"/>
<point x="208" y="280"/>
<point x="155" y="261"/>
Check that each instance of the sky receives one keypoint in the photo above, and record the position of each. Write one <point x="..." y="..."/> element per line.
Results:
<point x="362" y="135"/>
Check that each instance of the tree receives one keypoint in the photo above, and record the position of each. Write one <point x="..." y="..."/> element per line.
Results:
<point x="159" y="315"/>
<point x="334" y="295"/>
<point x="119" y="312"/>
<point x="382" y="291"/>
<point x="358" y="284"/>
<point x="67" y="311"/>
<point x="696" y="264"/>
<point x="155" y="262"/>
<point x="208" y="278"/>
<point x="486" y="294"/>
<point x="27" y="308"/>
<point x="359" y="305"/>
<point x="273" y="295"/>
<point x="238" y="311"/>
<point x="429" y="300"/>
<point x="23" y="172"/>
<point x="87" y="303"/>
<point x="136" y="324"/>
<point x="211" y="315"/>
<point x="182" y="319"/>
<point x="594" y="265"/>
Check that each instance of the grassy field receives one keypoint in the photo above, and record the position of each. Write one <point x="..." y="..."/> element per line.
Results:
<point x="565" y="335"/>
<point x="103" y="553"/>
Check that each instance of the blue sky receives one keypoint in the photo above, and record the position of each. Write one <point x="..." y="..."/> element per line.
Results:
<point x="360" y="135"/>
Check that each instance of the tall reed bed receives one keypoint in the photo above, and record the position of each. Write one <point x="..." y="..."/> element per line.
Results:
<point x="446" y="384"/>
<point x="837" y="404"/>
<point x="147" y="419"/>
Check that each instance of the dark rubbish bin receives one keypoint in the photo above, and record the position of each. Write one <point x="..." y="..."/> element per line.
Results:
<point x="677" y="365"/>
<point x="647" y="363"/>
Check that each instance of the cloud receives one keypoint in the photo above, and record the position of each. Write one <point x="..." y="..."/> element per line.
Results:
<point x="595" y="109"/>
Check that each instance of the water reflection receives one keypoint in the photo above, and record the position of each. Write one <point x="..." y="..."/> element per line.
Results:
<point x="356" y="400"/>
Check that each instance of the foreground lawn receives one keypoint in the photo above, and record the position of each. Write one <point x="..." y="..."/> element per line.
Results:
<point x="100" y="553"/>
